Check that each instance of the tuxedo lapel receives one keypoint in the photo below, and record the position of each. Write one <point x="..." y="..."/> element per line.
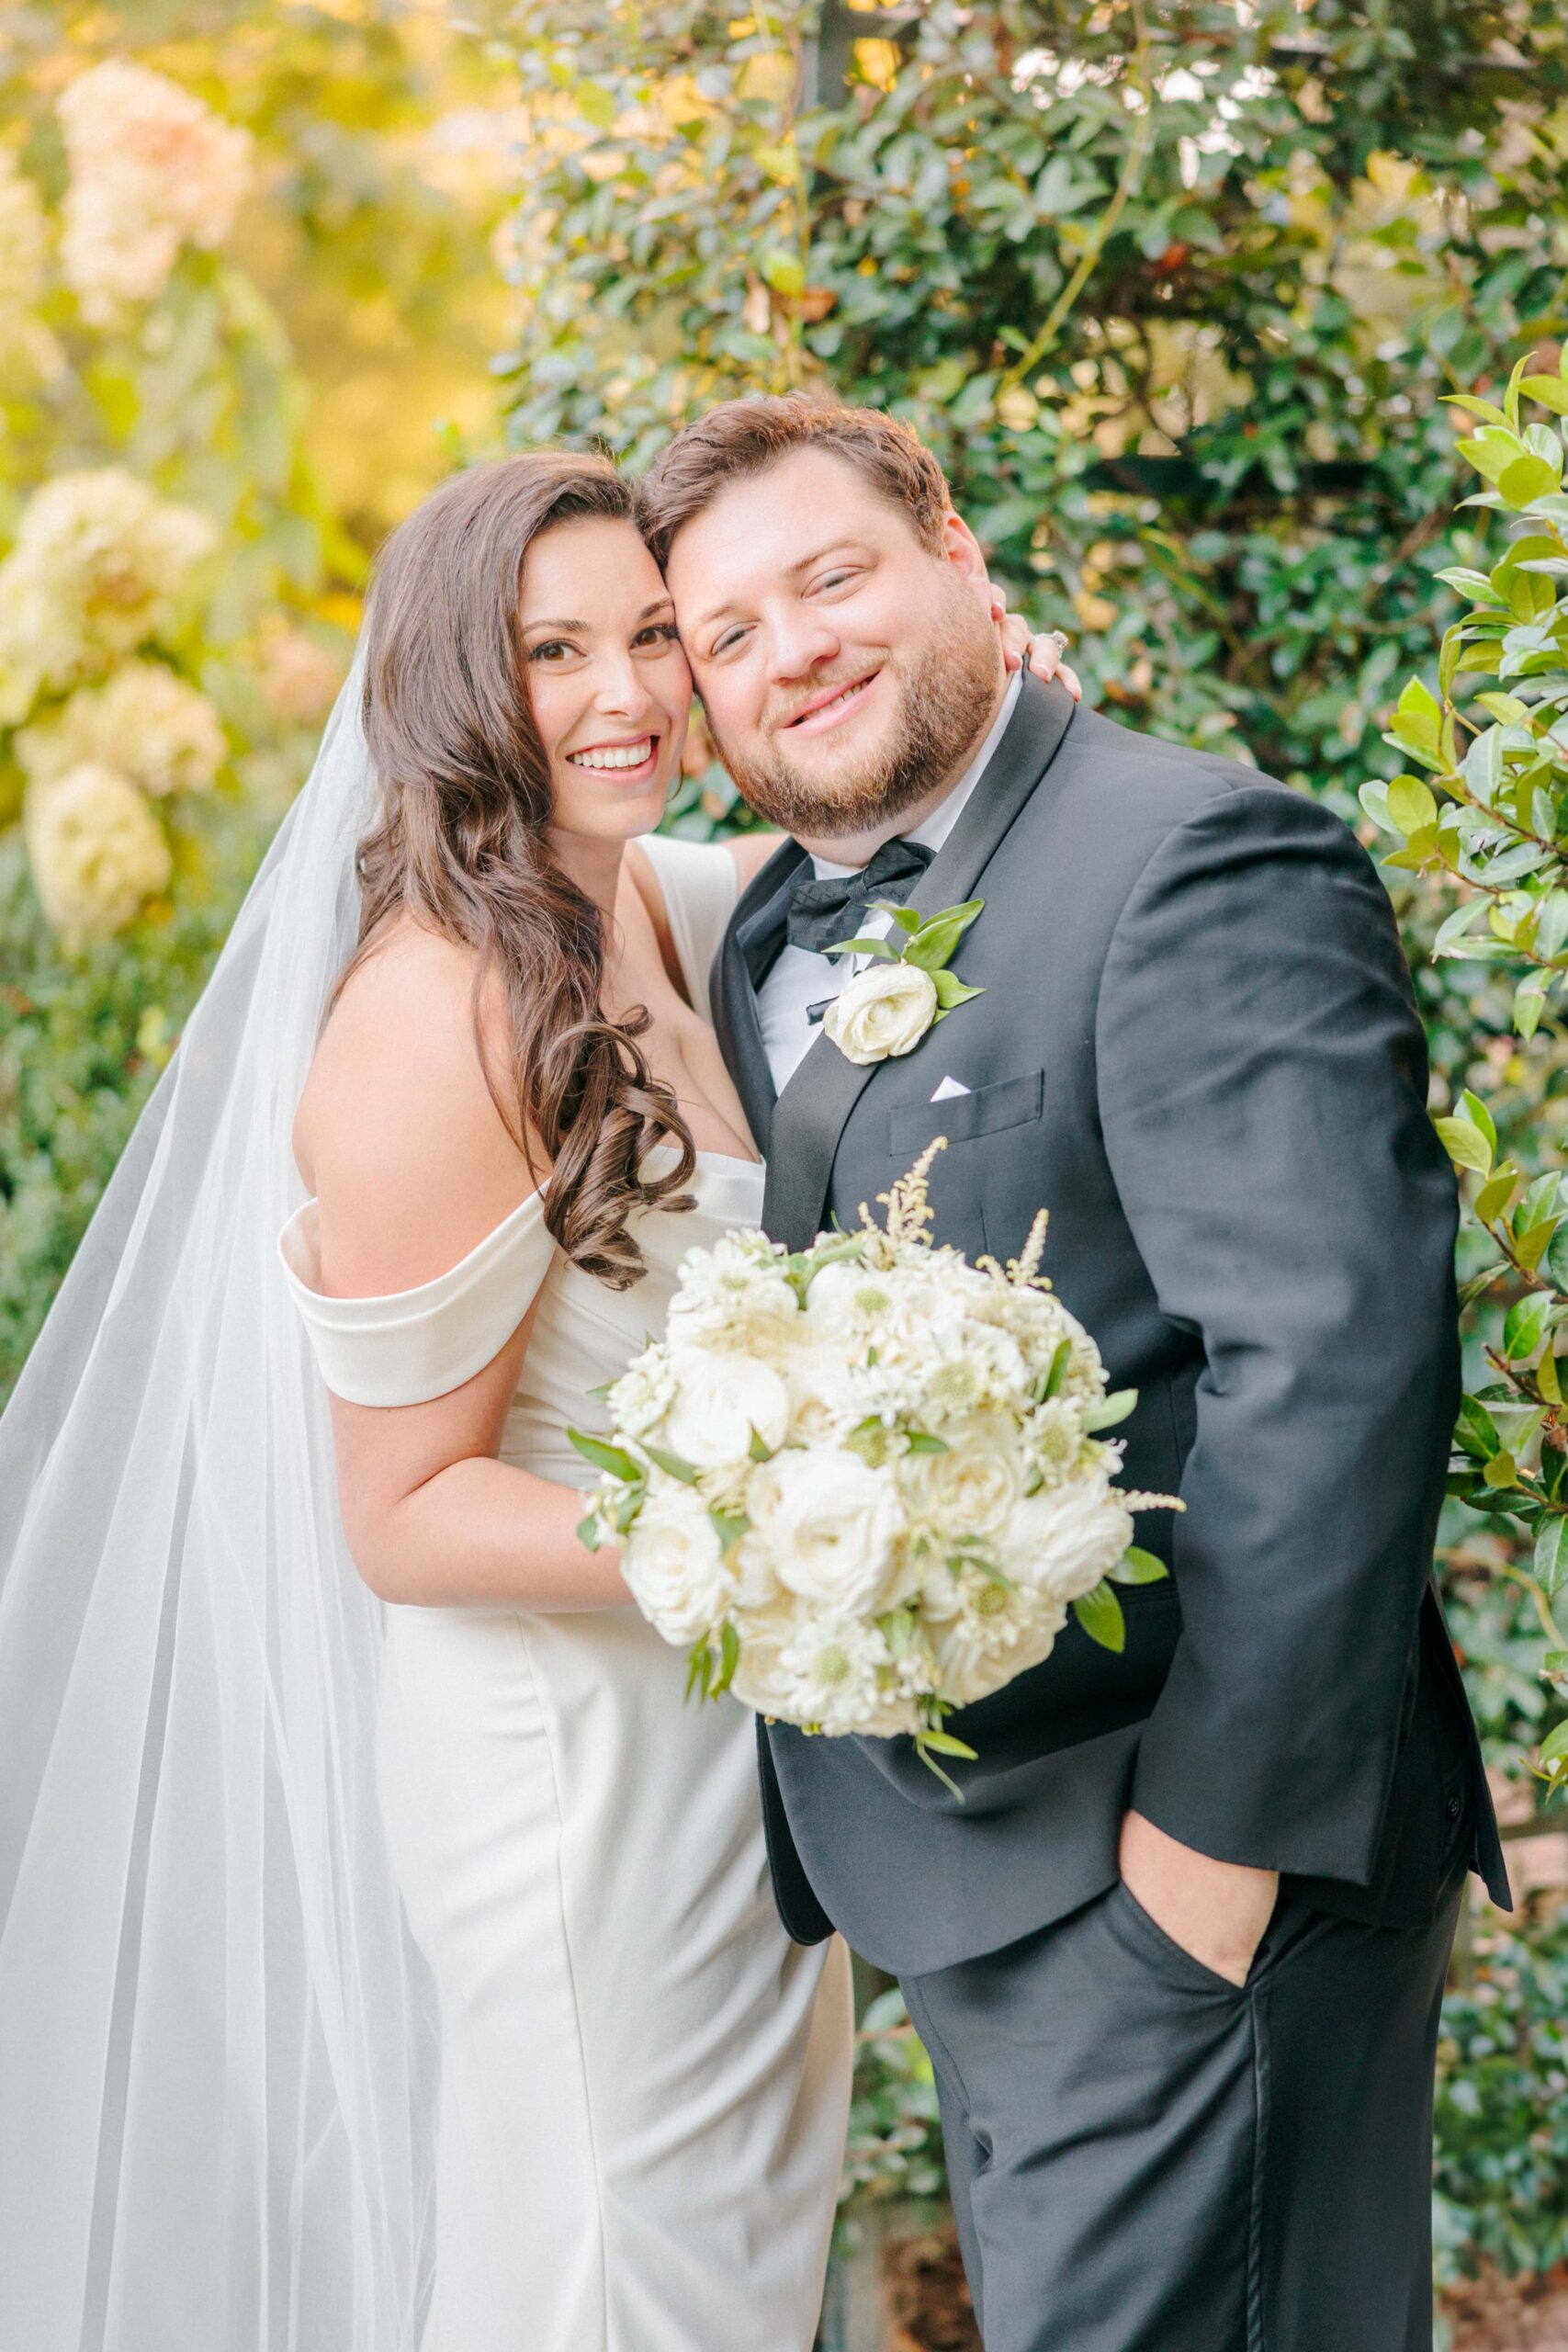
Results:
<point x="754" y="935"/>
<point x="810" y="1115"/>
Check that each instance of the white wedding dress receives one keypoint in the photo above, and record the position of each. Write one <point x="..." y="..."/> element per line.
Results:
<point x="645" y="2085"/>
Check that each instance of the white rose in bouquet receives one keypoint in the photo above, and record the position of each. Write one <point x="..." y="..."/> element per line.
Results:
<point x="865" y="1483"/>
<point x="1063" y="1541"/>
<point x="826" y="1522"/>
<point x="970" y="1489"/>
<point x="674" y="1564"/>
<point x="721" y="1403"/>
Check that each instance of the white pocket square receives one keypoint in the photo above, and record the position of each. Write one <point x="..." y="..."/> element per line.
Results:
<point x="948" y="1088"/>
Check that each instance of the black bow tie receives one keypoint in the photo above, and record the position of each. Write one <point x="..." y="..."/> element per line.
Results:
<point x="823" y="914"/>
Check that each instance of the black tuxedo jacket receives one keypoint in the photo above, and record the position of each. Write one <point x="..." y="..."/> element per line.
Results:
<point x="1199" y="1048"/>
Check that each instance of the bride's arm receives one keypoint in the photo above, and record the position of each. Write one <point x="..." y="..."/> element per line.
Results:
<point x="411" y="1166"/>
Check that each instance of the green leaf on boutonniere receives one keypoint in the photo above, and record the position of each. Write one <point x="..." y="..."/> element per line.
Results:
<point x="905" y="917"/>
<point x="935" y="940"/>
<point x="951" y="990"/>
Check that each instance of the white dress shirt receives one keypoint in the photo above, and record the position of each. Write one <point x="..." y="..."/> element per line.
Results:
<point x="801" y="979"/>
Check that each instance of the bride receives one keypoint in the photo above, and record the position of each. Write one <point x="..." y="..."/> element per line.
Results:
<point x="386" y="1954"/>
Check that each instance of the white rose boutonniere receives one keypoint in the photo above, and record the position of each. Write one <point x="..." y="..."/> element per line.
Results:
<point x="906" y="989"/>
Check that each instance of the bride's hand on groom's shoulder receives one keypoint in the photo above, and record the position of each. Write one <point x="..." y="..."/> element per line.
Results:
<point x="1043" y="652"/>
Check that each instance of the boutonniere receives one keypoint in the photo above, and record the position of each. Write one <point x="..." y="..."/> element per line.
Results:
<point x="906" y="988"/>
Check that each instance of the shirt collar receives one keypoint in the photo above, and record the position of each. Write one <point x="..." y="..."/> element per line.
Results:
<point x="943" y="818"/>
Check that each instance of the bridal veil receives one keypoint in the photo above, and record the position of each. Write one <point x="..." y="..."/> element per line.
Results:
<point x="216" y="2043"/>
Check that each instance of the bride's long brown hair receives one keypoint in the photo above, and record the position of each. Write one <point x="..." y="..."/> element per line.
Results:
<point x="461" y="844"/>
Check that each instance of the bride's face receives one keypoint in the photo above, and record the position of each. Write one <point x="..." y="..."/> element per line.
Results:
<point x="607" y="680"/>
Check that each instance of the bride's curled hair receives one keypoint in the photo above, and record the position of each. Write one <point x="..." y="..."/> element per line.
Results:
<point x="461" y="845"/>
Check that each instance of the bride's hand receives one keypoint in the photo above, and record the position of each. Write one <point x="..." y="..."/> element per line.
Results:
<point x="1042" y="653"/>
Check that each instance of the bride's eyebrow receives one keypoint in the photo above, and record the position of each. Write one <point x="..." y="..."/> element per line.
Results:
<point x="581" y="629"/>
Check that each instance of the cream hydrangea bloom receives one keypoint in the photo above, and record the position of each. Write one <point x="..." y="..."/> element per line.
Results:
<point x="298" y="677"/>
<point x="98" y="563"/>
<point x="151" y="169"/>
<point x="158" y="731"/>
<point x="24" y="261"/>
<point x="98" y="851"/>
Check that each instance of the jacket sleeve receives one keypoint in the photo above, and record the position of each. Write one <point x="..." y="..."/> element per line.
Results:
<point x="1262" y="1078"/>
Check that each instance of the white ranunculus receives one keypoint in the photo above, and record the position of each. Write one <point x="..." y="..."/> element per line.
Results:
<point x="1060" y="1541"/>
<point x="883" y="1011"/>
<point x="674" y="1566"/>
<point x="719" y="1401"/>
<point x="970" y="1490"/>
<point x="828" y="1523"/>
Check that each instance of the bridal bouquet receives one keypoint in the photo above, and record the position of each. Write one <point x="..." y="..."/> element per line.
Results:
<point x="864" y="1484"/>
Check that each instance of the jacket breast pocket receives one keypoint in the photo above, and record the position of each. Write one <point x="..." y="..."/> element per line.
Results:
<point x="1010" y="1102"/>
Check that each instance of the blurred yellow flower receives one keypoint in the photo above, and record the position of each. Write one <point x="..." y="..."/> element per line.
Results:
<point x="98" y="851"/>
<point x="24" y="259"/>
<point x="98" y="563"/>
<point x="151" y="169"/>
<point x="158" y="731"/>
<point x="299" y="676"/>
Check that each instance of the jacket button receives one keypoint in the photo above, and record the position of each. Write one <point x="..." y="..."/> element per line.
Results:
<point x="1455" y="1806"/>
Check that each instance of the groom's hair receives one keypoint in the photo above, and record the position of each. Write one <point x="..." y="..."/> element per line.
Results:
<point x="748" y="436"/>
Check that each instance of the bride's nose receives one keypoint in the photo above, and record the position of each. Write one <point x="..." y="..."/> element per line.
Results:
<point x="619" y="692"/>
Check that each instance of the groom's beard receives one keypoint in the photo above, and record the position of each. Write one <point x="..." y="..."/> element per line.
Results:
<point x="946" y="692"/>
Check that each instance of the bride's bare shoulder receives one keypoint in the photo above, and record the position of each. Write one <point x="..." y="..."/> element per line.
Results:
<point x="397" y="1135"/>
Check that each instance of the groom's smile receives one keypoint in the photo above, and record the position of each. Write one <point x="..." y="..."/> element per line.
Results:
<point x="831" y="705"/>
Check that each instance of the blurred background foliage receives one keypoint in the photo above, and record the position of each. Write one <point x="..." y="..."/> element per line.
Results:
<point x="1176" y="292"/>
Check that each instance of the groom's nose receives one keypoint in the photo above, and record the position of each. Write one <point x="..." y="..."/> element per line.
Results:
<point x="798" y="641"/>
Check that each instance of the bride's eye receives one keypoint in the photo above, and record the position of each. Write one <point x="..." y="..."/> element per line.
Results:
<point x="660" y="633"/>
<point x="553" y="649"/>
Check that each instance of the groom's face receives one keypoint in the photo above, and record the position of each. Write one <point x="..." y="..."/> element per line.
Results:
<point x="847" y="670"/>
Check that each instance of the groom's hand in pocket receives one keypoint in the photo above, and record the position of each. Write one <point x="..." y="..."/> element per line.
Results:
<point x="1217" y="1911"/>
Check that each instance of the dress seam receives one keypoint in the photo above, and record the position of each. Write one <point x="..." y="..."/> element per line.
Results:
<point x="571" y="1978"/>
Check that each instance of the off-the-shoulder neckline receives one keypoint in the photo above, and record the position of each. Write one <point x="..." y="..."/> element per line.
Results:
<point x="488" y="1242"/>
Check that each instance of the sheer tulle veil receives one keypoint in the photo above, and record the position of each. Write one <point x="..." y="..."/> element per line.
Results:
<point x="217" y="2044"/>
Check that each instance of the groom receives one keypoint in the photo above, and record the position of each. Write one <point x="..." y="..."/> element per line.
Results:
<point x="1178" y="1955"/>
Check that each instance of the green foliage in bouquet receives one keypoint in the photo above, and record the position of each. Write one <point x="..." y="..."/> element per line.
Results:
<point x="1484" y="808"/>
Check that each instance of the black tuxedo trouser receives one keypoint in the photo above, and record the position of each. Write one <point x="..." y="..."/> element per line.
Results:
<point x="1146" y="2158"/>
